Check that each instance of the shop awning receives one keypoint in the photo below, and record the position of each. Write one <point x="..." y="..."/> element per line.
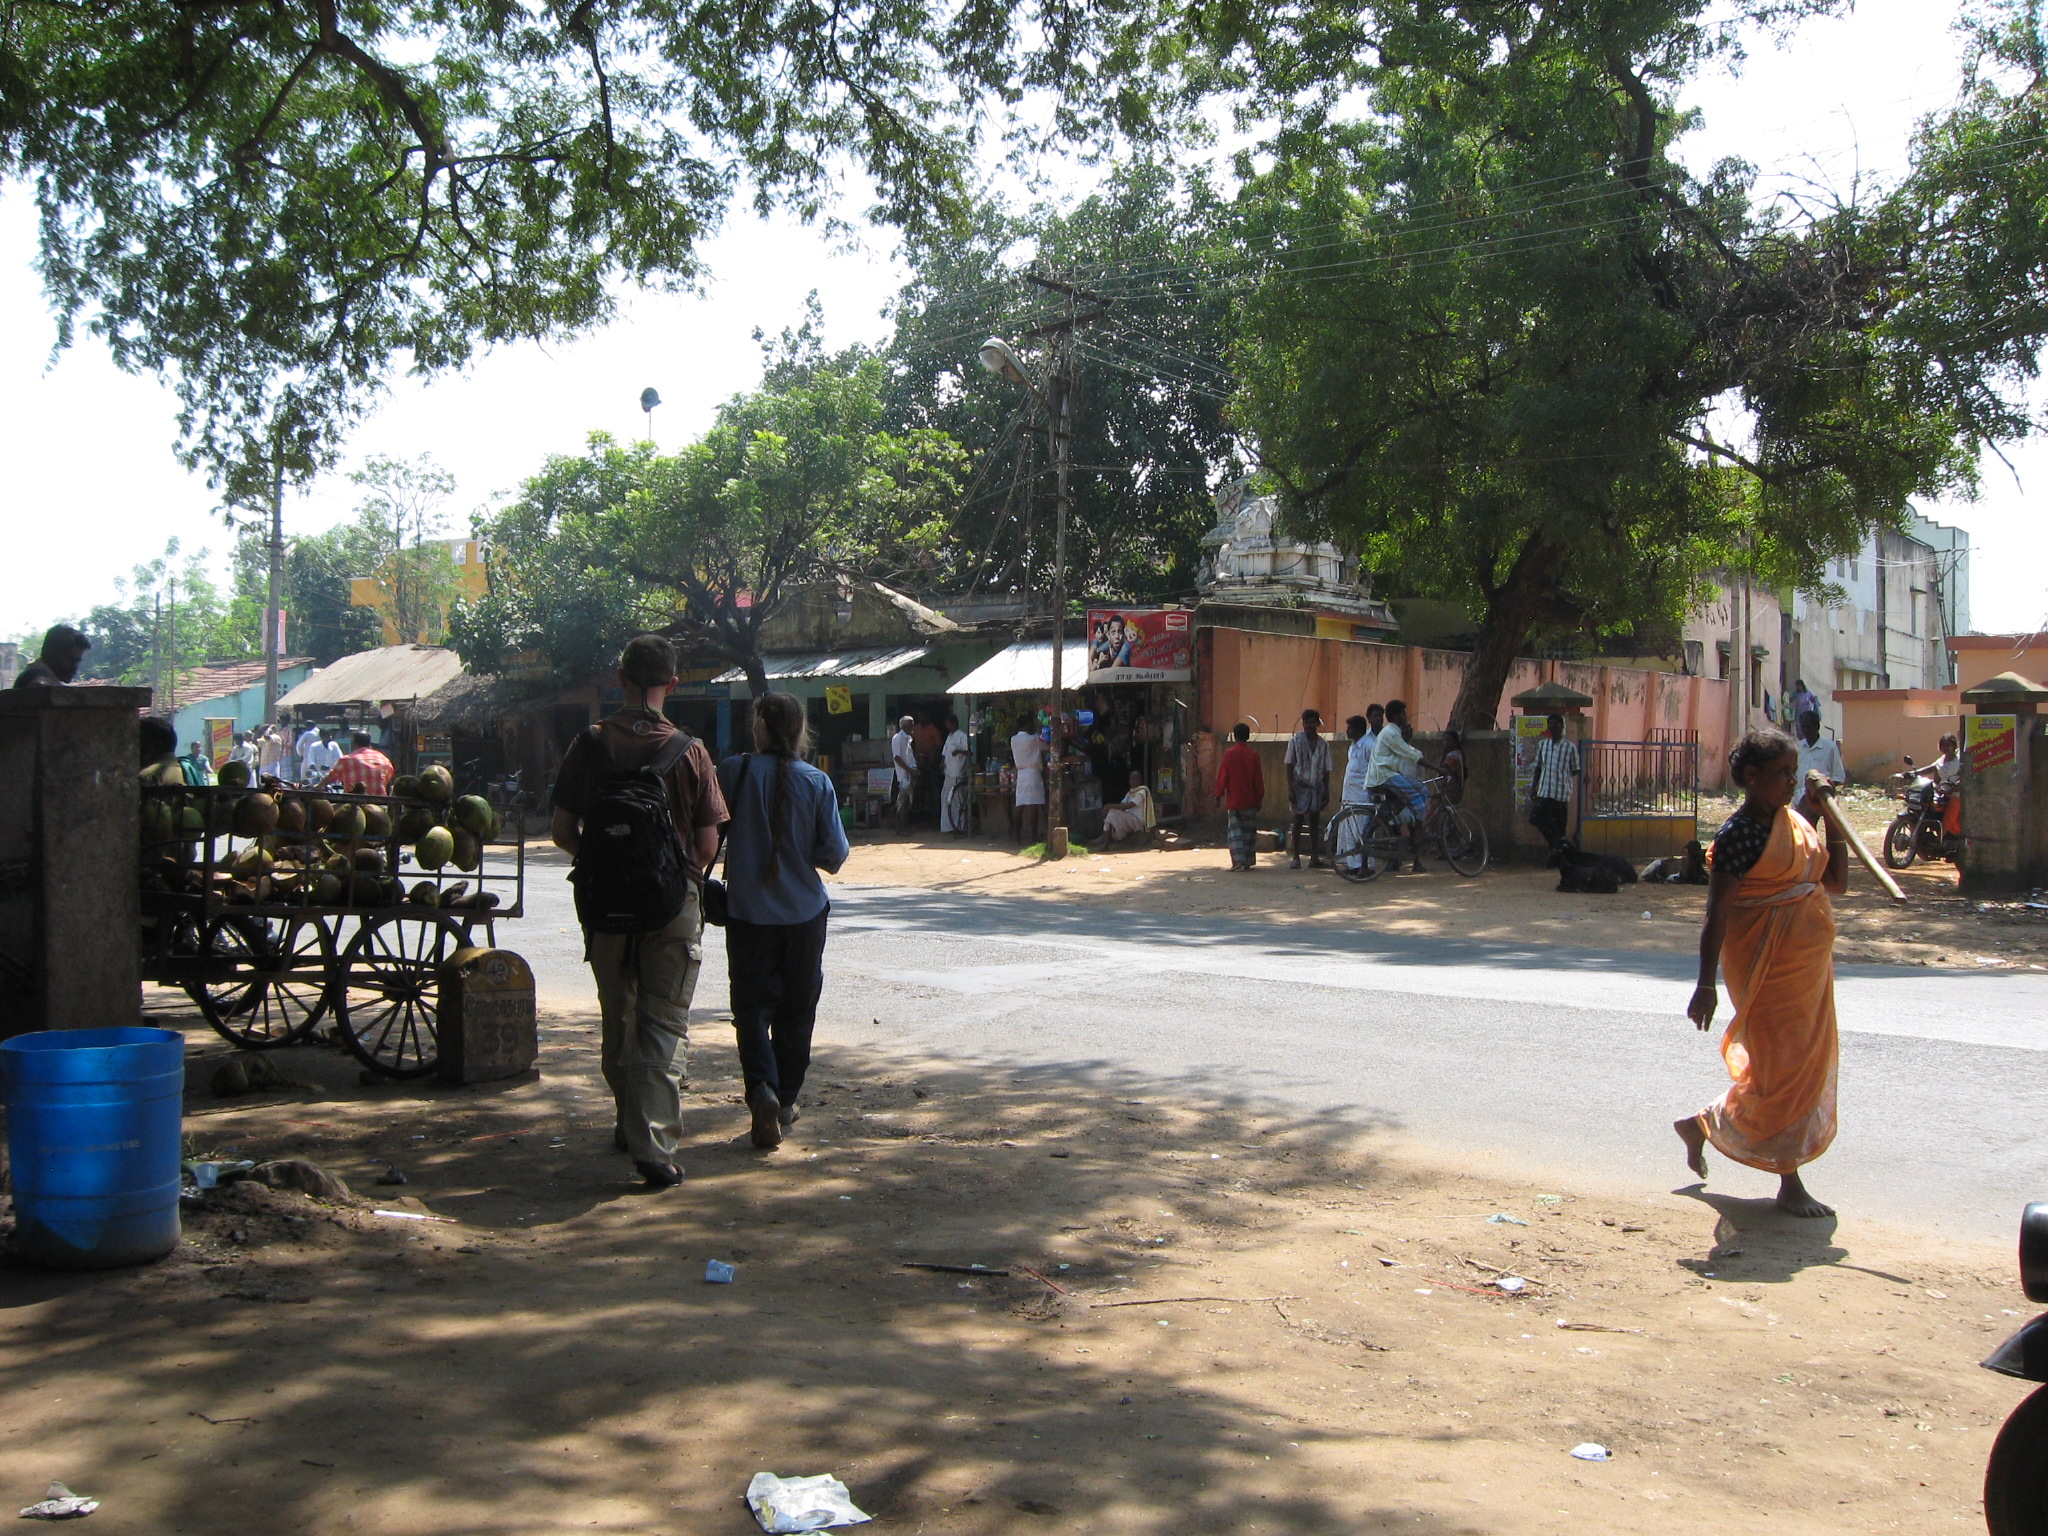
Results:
<point x="1026" y="667"/>
<point x="395" y="674"/>
<point x="832" y="665"/>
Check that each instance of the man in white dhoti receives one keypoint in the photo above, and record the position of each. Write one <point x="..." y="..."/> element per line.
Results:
<point x="903" y="758"/>
<point x="1027" y="752"/>
<point x="1134" y="816"/>
<point x="957" y="756"/>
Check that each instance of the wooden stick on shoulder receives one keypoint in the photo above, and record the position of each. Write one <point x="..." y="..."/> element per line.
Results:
<point x="1863" y="856"/>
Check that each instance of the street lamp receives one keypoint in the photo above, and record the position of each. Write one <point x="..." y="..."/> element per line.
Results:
<point x="1001" y="359"/>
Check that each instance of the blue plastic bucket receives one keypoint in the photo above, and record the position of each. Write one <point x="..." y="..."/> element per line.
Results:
<point x="93" y="1123"/>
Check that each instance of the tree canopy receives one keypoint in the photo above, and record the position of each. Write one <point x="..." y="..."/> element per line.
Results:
<point x="1500" y="341"/>
<point x="274" y="203"/>
<point x="1150" y="437"/>
<point x="794" y="482"/>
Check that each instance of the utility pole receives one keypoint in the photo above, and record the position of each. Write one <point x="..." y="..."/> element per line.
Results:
<point x="271" y="625"/>
<point x="1060" y="411"/>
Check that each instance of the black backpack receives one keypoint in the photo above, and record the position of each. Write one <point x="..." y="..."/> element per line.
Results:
<point x="630" y="876"/>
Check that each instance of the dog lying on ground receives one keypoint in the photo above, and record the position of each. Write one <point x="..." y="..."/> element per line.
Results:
<point x="1687" y="868"/>
<point x="1590" y="874"/>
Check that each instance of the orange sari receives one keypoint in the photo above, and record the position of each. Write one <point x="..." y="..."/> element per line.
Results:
<point x="1778" y="961"/>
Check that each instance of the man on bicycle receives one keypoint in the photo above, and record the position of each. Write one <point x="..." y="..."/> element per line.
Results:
<point x="1393" y="755"/>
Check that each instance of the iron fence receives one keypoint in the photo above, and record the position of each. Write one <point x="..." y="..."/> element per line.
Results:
<point x="1640" y="799"/>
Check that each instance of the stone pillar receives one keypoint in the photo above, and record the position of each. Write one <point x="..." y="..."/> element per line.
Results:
<point x="2004" y="787"/>
<point x="70" y="851"/>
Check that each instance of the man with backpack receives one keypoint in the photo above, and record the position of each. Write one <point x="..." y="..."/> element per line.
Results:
<point x="638" y="807"/>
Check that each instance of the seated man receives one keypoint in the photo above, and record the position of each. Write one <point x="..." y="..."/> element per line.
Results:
<point x="1134" y="816"/>
<point x="1394" y="757"/>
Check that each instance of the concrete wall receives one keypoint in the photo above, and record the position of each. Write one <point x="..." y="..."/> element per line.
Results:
<point x="1981" y="657"/>
<point x="2005" y="817"/>
<point x="1882" y="726"/>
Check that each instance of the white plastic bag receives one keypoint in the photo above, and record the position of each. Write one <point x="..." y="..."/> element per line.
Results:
<point x="784" y="1505"/>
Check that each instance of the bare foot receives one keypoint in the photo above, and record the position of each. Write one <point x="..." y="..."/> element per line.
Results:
<point x="1793" y="1199"/>
<point x="1695" y="1140"/>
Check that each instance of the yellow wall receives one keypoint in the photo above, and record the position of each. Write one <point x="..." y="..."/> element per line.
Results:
<point x="471" y="580"/>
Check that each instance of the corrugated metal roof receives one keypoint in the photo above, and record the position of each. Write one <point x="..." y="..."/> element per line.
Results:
<point x="833" y="664"/>
<point x="397" y="673"/>
<point x="1026" y="667"/>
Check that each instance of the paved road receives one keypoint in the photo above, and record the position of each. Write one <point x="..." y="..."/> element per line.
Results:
<point x="1546" y="1060"/>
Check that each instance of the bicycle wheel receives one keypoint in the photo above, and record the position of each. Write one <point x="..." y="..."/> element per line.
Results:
<point x="1351" y="842"/>
<point x="1461" y="840"/>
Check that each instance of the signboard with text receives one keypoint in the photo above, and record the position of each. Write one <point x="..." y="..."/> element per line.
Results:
<point x="1529" y="729"/>
<point x="1140" y="645"/>
<point x="220" y="740"/>
<point x="1989" y="740"/>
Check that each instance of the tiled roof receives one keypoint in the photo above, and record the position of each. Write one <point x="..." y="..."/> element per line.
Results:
<point x="229" y="677"/>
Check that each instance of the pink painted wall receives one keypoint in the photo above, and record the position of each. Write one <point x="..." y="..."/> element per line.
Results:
<point x="1268" y="678"/>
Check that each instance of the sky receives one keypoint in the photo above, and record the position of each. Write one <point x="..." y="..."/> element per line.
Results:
<point x="93" y="487"/>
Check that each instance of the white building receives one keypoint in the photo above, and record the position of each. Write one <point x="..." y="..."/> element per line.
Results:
<point x="1904" y="594"/>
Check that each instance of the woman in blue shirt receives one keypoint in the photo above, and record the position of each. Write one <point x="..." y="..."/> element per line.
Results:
<point x="785" y="827"/>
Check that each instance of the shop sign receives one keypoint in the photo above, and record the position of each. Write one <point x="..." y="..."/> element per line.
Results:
<point x="838" y="701"/>
<point x="220" y="740"/>
<point x="1140" y="645"/>
<point x="1989" y="740"/>
<point x="1529" y="729"/>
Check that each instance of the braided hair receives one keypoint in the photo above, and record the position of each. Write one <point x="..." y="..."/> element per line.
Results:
<point x="779" y="731"/>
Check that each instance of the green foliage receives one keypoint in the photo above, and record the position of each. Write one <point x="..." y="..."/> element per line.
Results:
<point x="168" y="616"/>
<point x="401" y="516"/>
<point x="793" y="482"/>
<point x="1496" y="327"/>
<point x="275" y="202"/>
<point x="320" y="619"/>
<point x="1150" y="438"/>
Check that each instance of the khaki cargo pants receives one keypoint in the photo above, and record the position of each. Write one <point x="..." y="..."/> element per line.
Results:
<point x="644" y="985"/>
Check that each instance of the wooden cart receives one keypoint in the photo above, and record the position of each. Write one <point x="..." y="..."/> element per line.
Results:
<point x="270" y="953"/>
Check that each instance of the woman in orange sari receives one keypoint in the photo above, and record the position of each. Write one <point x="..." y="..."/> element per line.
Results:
<point x="1769" y="919"/>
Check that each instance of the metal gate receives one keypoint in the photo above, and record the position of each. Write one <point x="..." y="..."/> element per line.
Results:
<point x="1639" y="799"/>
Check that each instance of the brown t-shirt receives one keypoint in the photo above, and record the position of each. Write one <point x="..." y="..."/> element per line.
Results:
<point x="631" y="738"/>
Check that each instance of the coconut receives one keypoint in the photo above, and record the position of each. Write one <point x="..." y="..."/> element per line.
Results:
<point x="347" y="822"/>
<point x="319" y="813"/>
<point x="424" y="894"/>
<point x="436" y="783"/>
<point x="456" y="895"/>
<point x="376" y="821"/>
<point x="370" y="861"/>
<point x="473" y="814"/>
<point x="232" y="775"/>
<point x="255" y="815"/>
<point x="291" y="816"/>
<point x="469" y="850"/>
<point x="436" y="847"/>
<point x="415" y="824"/>
<point x="327" y="891"/>
<point x="406" y="786"/>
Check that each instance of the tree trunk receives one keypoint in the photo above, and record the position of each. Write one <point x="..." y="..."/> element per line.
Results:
<point x="1511" y="614"/>
<point x="757" y="674"/>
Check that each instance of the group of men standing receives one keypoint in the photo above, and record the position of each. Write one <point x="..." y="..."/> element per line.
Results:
<point x="956" y="762"/>
<point x="1383" y="756"/>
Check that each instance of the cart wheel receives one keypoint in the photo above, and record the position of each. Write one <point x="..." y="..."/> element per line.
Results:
<point x="2016" y="1479"/>
<point x="387" y="1006"/>
<point x="274" y="979"/>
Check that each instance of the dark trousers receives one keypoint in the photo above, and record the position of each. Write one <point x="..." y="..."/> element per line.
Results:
<point x="777" y="971"/>
<point x="1551" y="818"/>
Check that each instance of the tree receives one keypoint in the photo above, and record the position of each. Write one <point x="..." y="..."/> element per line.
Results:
<point x="1150" y="436"/>
<point x="263" y="199"/>
<point x="1494" y="332"/>
<point x="167" y="618"/>
<point x="402" y="520"/>
<point x="795" y="481"/>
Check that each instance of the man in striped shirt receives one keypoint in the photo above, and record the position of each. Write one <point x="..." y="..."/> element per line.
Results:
<point x="1550" y="795"/>
<point x="365" y="771"/>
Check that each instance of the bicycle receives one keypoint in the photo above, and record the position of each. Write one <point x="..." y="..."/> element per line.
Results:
<point x="966" y="807"/>
<point x="1362" y="841"/>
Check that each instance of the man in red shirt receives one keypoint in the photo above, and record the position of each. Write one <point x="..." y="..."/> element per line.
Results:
<point x="1241" y="786"/>
<point x="365" y="771"/>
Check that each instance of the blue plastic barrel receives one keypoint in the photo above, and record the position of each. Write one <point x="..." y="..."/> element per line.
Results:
<point x="93" y="1123"/>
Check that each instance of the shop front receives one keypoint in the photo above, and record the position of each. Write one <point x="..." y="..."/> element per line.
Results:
<point x="1127" y="712"/>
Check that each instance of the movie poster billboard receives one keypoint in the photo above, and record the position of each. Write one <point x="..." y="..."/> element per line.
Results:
<point x="1140" y="645"/>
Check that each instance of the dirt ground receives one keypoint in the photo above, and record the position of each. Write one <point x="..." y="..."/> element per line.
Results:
<point x="1215" y="1319"/>
<point x="1511" y="904"/>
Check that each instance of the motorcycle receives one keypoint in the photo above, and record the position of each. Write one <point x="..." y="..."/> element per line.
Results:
<point x="1917" y="831"/>
<point x="2016" y="1477"/>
